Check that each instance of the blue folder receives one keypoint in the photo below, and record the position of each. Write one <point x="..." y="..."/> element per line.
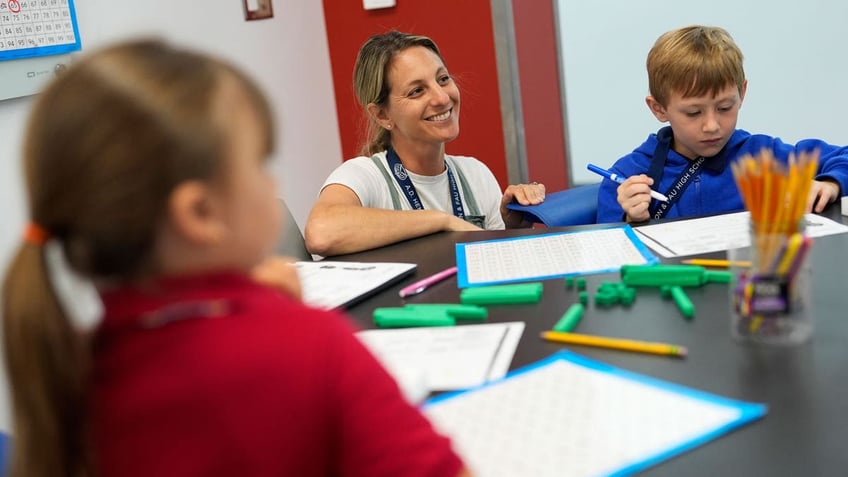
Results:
<point x="575" y="206"/>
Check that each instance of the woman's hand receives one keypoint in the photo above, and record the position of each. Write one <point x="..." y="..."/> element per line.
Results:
<point x="524" y="194"/>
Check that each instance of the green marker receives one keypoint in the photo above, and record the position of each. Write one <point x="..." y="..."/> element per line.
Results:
<point x="570" y="319"/>
<point x="502" y="294"/>
<point x="402" y="317"/>
<point x="456" y="310"/>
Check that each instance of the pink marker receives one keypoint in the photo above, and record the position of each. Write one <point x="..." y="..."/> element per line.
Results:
<point x="425" y="283"/>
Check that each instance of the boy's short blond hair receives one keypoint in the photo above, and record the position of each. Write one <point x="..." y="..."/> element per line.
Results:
<point x="693" y="61"/>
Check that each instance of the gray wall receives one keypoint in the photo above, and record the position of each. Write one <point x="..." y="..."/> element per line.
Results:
<point x="288" y="55"/>
<point x="795" y="59"/>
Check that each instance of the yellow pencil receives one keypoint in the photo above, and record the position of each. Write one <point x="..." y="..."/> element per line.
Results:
<point x="616" y="343"/>
<point x="711" y="262"/>
<point x="791" y="250"/>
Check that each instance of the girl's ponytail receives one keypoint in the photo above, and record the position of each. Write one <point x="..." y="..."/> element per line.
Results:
<point x="47" y="361"/>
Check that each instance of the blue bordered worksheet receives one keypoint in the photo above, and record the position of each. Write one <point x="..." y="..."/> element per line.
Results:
<point x="571" y="415"/>
<point x="551" y="255"/>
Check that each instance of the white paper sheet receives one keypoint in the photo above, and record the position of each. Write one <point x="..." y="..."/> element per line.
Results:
<point x="716" y="233"/>
<point x="331" y="285"/>
<point x="446" y="358"/>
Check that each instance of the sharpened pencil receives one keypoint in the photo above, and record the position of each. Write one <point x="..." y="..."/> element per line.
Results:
<point x="616" y="343"/>
<point x="718" y="263"/>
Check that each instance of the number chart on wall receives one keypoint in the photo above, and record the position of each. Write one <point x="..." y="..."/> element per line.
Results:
<point x="33" y="28"/>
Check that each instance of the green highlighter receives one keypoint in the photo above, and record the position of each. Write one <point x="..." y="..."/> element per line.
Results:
<point x="456" y="310"/>
<point x="502" y="294"/>
<point x="681" y="275"/>
<point x="403" y="317"/>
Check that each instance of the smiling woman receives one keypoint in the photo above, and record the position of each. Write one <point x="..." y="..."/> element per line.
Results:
<point x="404" y="178"/>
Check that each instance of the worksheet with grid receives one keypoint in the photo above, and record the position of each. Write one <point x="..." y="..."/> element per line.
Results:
<point x="569" y="415"/>
<point x="30" y="28"/>
<point x="549" y="255"/>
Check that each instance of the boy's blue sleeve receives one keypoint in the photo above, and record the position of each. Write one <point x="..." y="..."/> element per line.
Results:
<point x="608" y="208"/>
<point x="833" y="164"/>
<point x="833" y="160"/>
<point x="635" y="162"/>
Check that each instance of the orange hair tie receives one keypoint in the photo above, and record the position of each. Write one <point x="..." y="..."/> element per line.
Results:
<point x="35" y="235"/>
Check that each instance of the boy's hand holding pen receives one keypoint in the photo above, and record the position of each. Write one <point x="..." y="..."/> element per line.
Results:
<point x="634" y="193"/>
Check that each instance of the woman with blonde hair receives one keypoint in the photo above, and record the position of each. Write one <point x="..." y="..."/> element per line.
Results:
<point x="404" y="185"/>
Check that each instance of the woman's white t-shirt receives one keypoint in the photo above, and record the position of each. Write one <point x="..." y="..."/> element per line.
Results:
<point x="378" y="189"/>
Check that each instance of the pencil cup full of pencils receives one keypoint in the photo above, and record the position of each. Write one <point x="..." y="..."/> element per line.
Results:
<point x="771" y="296"/>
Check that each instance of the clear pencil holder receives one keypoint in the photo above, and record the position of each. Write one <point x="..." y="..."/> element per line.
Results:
<point x="771" y="295"/>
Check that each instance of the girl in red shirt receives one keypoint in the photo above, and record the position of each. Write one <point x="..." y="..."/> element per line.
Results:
<point x="146" y="165"/>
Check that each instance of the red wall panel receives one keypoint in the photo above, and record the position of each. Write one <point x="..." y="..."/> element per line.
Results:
<point x="463" y="30"/>
<point x="544" y="135"/>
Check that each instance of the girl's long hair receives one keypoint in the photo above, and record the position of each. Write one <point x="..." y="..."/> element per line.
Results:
<point x="107" y="142"/>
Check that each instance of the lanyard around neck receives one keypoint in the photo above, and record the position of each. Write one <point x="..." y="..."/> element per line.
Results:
<point x="408" y="188"/>
<point x="655" y="171"/>
<point x="676" y="190"/>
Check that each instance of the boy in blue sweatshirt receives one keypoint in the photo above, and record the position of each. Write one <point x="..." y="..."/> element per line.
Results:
<point x="697" y="85"/>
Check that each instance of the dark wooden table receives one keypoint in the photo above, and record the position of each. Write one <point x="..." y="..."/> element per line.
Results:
<point x="806" y="387"/>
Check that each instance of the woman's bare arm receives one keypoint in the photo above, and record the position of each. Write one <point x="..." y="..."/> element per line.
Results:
<point x="339" y="224"/>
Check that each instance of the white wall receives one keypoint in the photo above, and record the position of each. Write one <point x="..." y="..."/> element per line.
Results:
<point x="287" y="55"/>
<point x="794" y="60"/>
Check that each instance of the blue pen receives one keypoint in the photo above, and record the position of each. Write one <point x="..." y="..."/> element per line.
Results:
<point x="617" y="178"/>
